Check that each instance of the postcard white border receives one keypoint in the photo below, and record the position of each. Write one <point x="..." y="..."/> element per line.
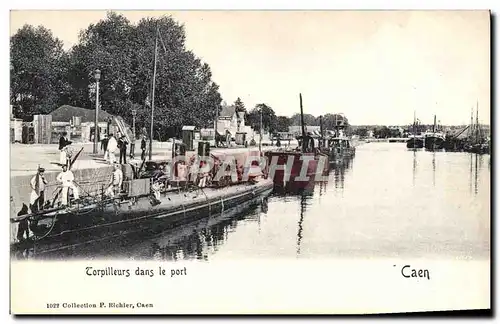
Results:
<point x="261" y="4"/>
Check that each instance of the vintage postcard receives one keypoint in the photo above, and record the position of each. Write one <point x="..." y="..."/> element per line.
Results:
<point x="249" y="162"/>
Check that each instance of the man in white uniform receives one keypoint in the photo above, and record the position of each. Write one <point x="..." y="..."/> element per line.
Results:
<point x="66" y="178"/>
<point x="116" y="182"/>
<point x="112" y="146"/>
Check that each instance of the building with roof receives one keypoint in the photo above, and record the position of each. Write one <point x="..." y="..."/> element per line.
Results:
<point x="232" y="121"/>
<point x="78" y="122"/>
<point x="67" y="113"/>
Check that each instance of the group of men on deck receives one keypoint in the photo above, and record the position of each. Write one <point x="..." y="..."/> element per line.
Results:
<point x="38" y="185"/>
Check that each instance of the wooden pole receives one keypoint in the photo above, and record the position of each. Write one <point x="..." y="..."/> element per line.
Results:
<point x="96" y="123"/>
<point x="153" y="97"/>
<point x="216" y="122"/>
<point x="321" y="130"/>
<point x="477" y="122"/>
<point x="414" y="125"/>
<point x="302" y="125"/>
<point x="260" y="131"/>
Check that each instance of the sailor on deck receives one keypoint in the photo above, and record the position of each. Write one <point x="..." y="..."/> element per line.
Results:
<point x="37" y="197"/>
<point x="66" y="178"/>
<point x="116" y="182"/>
<point x="159" y="178"/>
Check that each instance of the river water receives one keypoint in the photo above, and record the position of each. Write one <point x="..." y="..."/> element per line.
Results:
<point x="387" y="201"/>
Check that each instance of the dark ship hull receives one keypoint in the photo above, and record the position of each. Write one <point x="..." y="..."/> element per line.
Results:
<point x="433" y="143"/>
<point x="105" y="220"/>
<point x="415" y="143"/>
<point x="317" y="165"/>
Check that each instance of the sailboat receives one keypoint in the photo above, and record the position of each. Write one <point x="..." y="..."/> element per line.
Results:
<point x="414" y="140"/>
<point x="477" y="142"/>
<point x="289" y="165"/>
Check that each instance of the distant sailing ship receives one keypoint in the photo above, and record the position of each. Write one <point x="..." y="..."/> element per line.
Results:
<point x="434" y="140"/>
<point x="415" y="141"/>
<point x="477" y="142"/>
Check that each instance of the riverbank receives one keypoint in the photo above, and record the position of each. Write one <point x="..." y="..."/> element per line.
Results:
<point x="386" y="140"/>
<point x="91" y="171"/>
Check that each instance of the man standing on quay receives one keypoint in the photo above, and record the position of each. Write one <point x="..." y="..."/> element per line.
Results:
<point x="37" y="198"/>
<point x="122" y="144"/>
<point x="143" y="147"/>
<point x="112" y="145"/>
<point x="63" y="142"/>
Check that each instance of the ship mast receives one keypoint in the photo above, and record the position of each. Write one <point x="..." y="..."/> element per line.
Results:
<point x="471" y="130"/>
<point x="321" y="130"/>
<point x="153" y="96"/>
<point x="302" y="125"/>
<point x="414" y="124"/>
<point x="477" y="122"/>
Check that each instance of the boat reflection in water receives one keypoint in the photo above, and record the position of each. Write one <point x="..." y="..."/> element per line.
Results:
<point x="339" y="170"/>
<point x="196" y="240"/>
<point x="305" y="193"/>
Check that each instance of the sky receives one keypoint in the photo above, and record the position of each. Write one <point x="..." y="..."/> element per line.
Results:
<point x="376" y="67"/>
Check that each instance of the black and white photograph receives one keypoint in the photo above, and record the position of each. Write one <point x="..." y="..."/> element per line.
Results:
<point x="250" y="157"/>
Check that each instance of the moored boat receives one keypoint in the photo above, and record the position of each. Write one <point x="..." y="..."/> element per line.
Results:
<point x="92" y="221"/>
<point x="477" y="143"/>
<point x="415" y="142"/>
<point x="435" y="139"/>
<point x="340" y="148"/>
<point x="300" y="164"/>
<point x="145" y="202"/>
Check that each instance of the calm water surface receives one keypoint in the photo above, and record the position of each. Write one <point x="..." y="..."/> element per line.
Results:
<point x="387" y="201"/>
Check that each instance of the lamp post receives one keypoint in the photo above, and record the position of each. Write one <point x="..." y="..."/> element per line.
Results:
<point x="260" y="131"/>
<point x="97" y="75"/>
<point x="132" y="144"/>
<point x="109" y="121"/>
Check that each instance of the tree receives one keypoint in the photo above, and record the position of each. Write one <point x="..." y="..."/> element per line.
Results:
<point x="361" y="132"/>
<point x="44" y="76"/>
<point x="107" y="46"/>
<point x="381" y="132"/>
<point x="282" y="124"/>
<point x="184" y="91"/>
<point x="309" y="120"/>
<point x="239" y="106"/>
<point x="37" y="70"/>
<point x="269" y="119"/>
<point x="330" y="121"/>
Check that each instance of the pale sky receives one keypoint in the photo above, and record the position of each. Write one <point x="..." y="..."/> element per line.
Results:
<point x="376" y="67"/>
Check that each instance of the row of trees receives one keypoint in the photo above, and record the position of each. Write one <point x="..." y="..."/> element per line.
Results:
<point x="273" y="123"/>
<point x="45" y="76"/>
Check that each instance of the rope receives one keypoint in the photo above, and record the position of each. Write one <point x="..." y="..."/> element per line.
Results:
<point x="36" y="238"/>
